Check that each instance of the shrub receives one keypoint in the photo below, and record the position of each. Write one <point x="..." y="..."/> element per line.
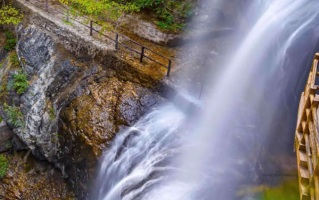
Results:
<point x="3" y="88"/>
<point x="15" y="117"/>
<point x="14" y="60"/>
<point x="10" y="40"/>
<point x="21" y="83"/>
<point x="171" y="13"/>
<point x="9" y="15"/>
<point x="3" y="166"/>
<point x="52" y="114"/>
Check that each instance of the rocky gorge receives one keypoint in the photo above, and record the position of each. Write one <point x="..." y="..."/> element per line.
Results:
<point x="71" y="109"/>
<point x="76" y="94"/>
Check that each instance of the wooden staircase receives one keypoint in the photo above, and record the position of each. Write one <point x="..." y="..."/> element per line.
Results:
<point x="307" y="137"/>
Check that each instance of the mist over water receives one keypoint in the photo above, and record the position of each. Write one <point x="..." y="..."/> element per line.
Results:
<point x="169" y="155"/>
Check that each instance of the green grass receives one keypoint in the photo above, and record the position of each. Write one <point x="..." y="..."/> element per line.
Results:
<point x="3" y="166"/>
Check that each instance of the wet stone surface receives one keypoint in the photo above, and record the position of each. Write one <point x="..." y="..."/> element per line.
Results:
<point x="90" y="121"/>
<point x="28" y="178"/>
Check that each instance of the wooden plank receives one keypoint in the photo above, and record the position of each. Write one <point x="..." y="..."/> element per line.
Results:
<point x="312" y="144"/>
<point x="303" y="158"/>
<point x="309" y="158"/>
<point x="304" y="173"/>
<point x="303" y="117"/>
<point x="315" y="101"/>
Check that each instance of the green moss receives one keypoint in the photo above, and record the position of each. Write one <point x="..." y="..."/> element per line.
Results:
<point x="3" y="166"/>
<point x="288" y="190"/>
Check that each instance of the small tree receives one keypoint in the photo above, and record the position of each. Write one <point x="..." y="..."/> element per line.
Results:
<point x="100" y="10"/>
<point x="171" y="13"/>
<point x="9" y="15"/>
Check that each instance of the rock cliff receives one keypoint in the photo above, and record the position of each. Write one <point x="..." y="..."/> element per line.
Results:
<point x="74" y="105"/>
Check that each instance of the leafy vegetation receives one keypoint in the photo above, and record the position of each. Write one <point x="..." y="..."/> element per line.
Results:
<point x="52" y="114"/>
<point x="1" y="119"/>
<point x="21" y="83"/>
<point x="15" y="117"/>
<point x="14" y="60"/>
<point x="3" y="166"/>
<point x="9" y="15"/>
<point x="4" y="88"/>
<point x="10" y="40"/>
<point x="171" y="13"/>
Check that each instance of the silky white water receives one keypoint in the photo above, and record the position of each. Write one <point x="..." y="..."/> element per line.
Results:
<point x="169" y="155"/>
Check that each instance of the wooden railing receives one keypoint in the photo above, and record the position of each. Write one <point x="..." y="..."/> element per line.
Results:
<point x="307" y="137"/>
<point x="141" y="51"/>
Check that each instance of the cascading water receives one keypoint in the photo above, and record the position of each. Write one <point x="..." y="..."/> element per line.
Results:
<point x="171" y="156"/>
<point x="136" y="154"/>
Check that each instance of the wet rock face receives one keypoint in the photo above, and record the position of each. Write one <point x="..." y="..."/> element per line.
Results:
<point x="6" y="136"/>
<point x="39" y="58"/>
<point x="9" y="140"/>
<point x="72" y="108"/>
<point x="92" y="120"/>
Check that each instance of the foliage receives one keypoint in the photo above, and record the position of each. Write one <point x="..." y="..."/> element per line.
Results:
<point x="21" y="83"/>
<point x="52" y="114"/>
<point x="3" y="166"/>
<point x="14" y="60"/>
<point x="10" y="40"/>
<point x="15" y="117"/>
<point x="1" y="119"/>
<point x="100" y="10"/>
<point x="9" y="15"/>
<point x="171" y="13"/>
<point x="4" y="88"/>
<point x="172" y="27"/>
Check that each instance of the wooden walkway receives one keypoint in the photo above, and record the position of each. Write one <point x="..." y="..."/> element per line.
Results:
<point x="307" y="137"/>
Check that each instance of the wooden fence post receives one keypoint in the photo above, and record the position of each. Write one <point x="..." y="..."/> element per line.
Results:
<point x="67" y="15"/>
<point x="117" y="41"/>
<point x="91" y="28"/>
<point x="169" y="68"/>
<point x="142" y="54"/>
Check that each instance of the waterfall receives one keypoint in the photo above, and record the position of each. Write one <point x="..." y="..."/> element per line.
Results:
<point x="168" y="155"/>
<point x="139" y="154"/>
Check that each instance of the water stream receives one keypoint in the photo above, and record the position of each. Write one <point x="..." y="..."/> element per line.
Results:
<point x="169" y="155"/>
